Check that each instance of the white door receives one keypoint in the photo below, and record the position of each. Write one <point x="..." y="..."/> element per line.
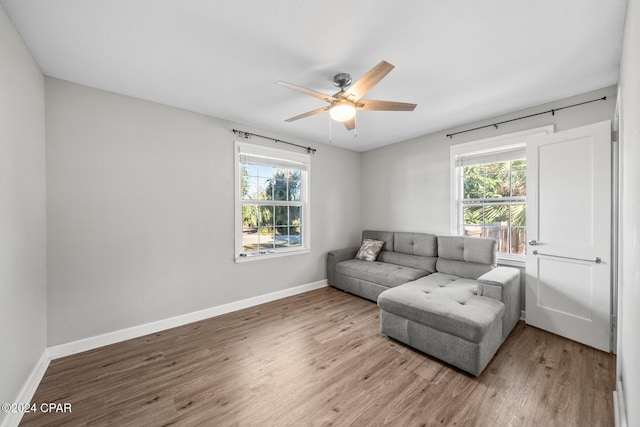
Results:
<point x="568" y="289"/>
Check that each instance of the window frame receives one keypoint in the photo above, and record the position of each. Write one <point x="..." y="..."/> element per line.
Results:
<point x="241" y="148"/>
<point x="486" y="146"/>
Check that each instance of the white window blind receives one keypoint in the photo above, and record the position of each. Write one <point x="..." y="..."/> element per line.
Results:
<point x="276" y="162"/>
<point x="490" y="157"/>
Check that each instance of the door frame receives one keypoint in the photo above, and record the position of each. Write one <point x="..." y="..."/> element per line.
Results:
<point x="616" y="174"/>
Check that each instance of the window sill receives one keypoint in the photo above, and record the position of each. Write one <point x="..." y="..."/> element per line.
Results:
<point x="269" y="255"/>
<point x="511" y="262"/>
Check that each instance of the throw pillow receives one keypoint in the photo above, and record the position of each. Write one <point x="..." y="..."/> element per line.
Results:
<point x="370" y="249"/>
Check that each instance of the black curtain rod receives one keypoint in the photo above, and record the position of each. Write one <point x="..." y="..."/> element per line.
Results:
<point x="246" y="135"/>
<point x="552" y="111"/>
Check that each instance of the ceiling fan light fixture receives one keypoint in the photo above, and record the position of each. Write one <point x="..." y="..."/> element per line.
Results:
<point x="341" y="111"/>
<point x="343" y="105"/>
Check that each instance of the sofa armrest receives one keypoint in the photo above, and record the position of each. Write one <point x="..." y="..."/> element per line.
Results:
<point x="503" y="284"/>
<point x="334" y="257"/>
<point x="493" y="283"/>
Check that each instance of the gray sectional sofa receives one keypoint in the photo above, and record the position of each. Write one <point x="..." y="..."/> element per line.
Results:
<point x="443" y="295"/>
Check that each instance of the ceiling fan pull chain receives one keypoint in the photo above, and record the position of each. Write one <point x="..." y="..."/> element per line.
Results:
<point x="355" y="125"/>
<point x="330" y="129"/>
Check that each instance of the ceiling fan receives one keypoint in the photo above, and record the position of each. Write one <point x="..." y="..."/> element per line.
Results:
<point x="343" y="104"/>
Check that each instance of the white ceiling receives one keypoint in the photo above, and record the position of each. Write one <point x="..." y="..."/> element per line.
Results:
<point x="460" y="61"/>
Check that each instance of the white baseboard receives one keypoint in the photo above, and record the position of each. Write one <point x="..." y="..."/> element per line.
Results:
<point x="619" y="409"/>
<point x="29" y="388"/>
<point x="91" y="343"/>
<point x="523" y="315"/>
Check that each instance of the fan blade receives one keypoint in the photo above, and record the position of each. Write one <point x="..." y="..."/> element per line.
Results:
<point x="373" y="105"/>
<point x="350" y="124"/>
<point x="315" y="94"/>
<point x="307" y="114"/>
<point x="368" y="81"/>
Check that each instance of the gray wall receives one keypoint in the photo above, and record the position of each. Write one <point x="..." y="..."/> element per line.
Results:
<point x="406" y="186"/>
<point x="23" y="264"/>
<point x="140" y="213"/>
<point x="629" y="291"/>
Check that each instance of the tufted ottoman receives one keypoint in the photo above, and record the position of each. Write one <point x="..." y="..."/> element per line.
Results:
<point x="443" y="315"/>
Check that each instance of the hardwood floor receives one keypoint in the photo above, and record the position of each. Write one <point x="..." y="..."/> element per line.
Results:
<point x="318" y="359"/>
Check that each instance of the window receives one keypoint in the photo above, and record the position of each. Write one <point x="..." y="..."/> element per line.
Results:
<point x="494" y="203"/>
<point x="272" y="209"/>
<point x="489" y="182"/>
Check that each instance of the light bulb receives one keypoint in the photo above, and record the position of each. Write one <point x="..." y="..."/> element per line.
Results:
<point x="341" y="111"/>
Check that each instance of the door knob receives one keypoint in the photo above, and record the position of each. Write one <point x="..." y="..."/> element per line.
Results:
<point x="533" y="242"/>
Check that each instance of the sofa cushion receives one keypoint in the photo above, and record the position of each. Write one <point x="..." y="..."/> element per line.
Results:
<point x="480" y="250"/>
<point x="382" y="273"/>
<point x="369" y="249"/>
<point x="414" y="261"/>
<point x="440" y="280"/>
<point x="445" y="303"/>
<point x="385" y="236"/>
<point x="465" y="256"/>
<point x="421" y="244"/>
<point x="469" y="270"/>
